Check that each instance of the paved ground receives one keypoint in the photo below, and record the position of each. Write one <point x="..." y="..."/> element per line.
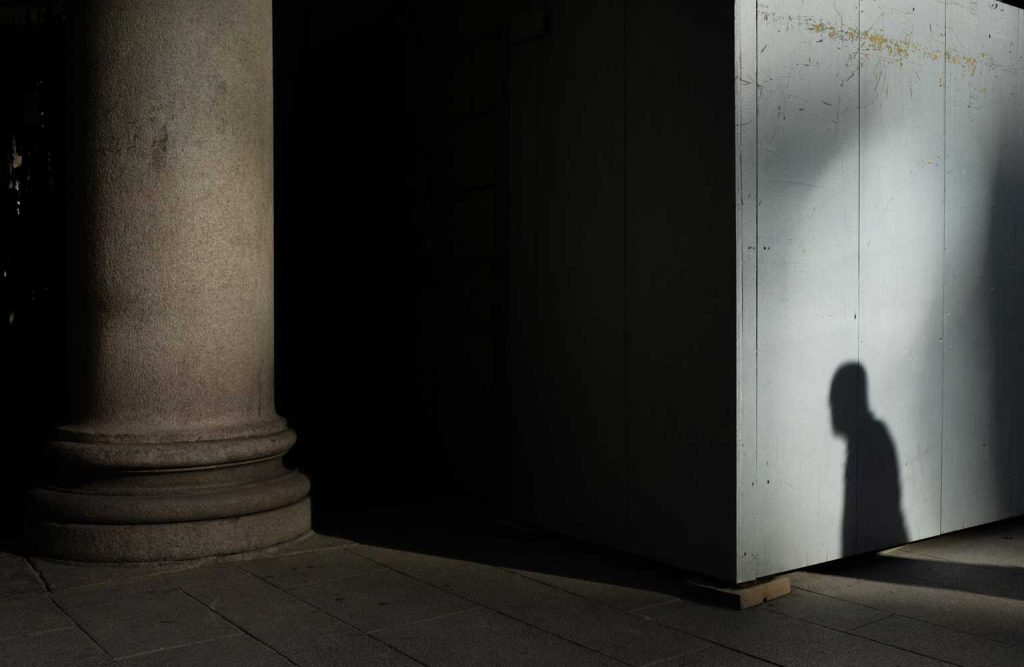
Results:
<point x="403" y="588"/>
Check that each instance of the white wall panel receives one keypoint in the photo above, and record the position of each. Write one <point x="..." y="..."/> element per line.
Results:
<point x="901" y="248"/>
<point x="888" y="189"/>
<point x="747" y="517"/>
<point x="807" y="271"/>
<point x="983" y="189"/>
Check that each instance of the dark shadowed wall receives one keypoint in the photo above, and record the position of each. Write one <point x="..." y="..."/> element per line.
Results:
<point x="392" y="261"/>
<point x="505" y="262"/>
<point x="621" y="357"/>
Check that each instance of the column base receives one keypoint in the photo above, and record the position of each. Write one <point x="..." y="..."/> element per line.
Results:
<point x="179" y="501"/>
<point x="187" y="540"/>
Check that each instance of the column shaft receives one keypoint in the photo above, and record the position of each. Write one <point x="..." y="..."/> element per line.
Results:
<point x="172" y="447"/>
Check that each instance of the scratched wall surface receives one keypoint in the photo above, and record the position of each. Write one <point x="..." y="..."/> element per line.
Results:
<point x="879" y="154"/>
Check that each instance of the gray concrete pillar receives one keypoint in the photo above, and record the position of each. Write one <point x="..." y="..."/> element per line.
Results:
<point x="172" y="448"/>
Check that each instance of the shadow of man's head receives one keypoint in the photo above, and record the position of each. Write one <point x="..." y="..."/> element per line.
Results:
<point x="848" y="398"/>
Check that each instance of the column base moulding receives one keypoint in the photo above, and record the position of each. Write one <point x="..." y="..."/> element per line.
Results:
<point x="125" y="502"/>
<point x="187" y="540"/>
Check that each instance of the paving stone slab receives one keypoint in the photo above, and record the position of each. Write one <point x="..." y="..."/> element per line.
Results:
<point x="311" y="542"/>
<point x="996" y="618"/>
<point x="1009" y="528"/>
<point x="158" y="621"/>
<point x="903" y="566"/>
<point x="610" y="576"/>
<point x="17" y="577"/>
<point x="59" y="648"/>
<point x="713" y="656"/>
<point x="216" y="577"/>
<point x="59" y="575"/>
<point x="359" y="650"/>
<point x="232" y="650"/>
<point x="957" y="599"/>
<point x="780" y="639"/>
<point x="996" y="545"/>
<point x="439" y="570"/>
<point x="256" y="606"/>
<point x="483" y="637"/>
<point x="30" y="615"/>
<point x="997" y="580"/>
<point x="619" y="596"/>
<point x="311" y="567"/>
<point x="112" y="592"/>
<point x="380" y="599"/>
<point x="610" y="631"/>
<point x="287" y="624"/>
<point x="942" y="643"/>
<point x="823" y="610"/>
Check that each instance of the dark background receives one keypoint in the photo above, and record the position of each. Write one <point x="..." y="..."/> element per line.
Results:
<point x="391" y="251"/>
<point x="32" y="328"/>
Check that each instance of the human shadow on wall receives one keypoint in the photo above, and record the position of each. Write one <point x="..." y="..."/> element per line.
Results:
<point x="872" y="515"/>
<point x="983" y="408"/>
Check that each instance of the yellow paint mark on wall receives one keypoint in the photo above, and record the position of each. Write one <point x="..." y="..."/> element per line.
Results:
<point x="966" y="61"/>
<point x="896" y="48"/>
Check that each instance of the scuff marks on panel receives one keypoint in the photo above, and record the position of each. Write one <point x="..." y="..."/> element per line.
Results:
<point x="898" y="48"/>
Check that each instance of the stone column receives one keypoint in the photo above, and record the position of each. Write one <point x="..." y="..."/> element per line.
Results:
<point x="172" y="448"/>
